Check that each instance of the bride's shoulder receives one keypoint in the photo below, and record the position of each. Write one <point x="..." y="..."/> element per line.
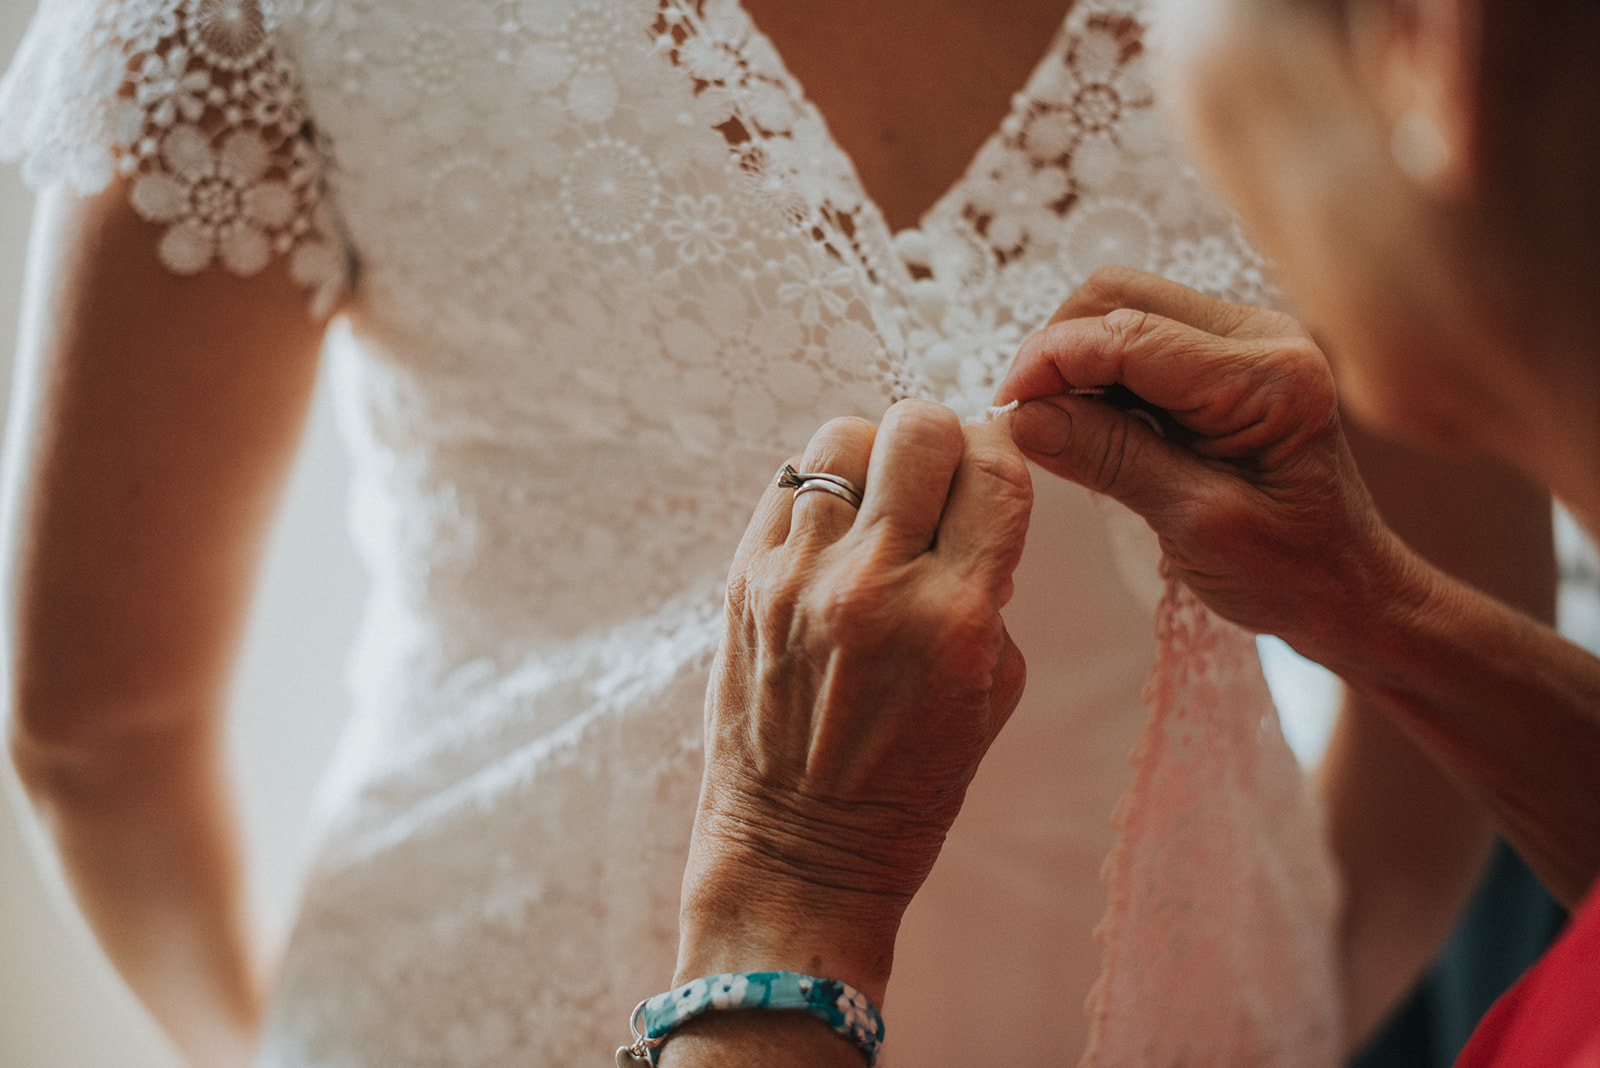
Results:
<point x="194" y="107"/>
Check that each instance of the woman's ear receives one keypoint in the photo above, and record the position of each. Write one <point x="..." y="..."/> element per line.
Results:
<point x="1421" y="61"/>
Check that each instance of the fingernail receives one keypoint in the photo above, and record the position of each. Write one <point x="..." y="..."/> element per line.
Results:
<point x="1042" y="428"/>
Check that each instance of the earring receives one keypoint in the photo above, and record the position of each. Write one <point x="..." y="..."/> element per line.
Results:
<point x="1419" y="148"/>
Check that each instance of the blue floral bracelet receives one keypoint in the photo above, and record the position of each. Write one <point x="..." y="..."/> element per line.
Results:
<point x="840" y="1006"/>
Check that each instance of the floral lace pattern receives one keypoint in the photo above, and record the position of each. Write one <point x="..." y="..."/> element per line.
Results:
<point x="1215" y="791"/>
<point x="190" y="102"/>
<point x="1082" y="174"/>
<point x="614" y="270"/>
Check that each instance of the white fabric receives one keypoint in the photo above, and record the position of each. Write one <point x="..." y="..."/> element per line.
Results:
<point x="207" y="127"/>
<point x="612" y="271"/>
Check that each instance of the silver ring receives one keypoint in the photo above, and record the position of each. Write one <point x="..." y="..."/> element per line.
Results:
<point x="838" y="485"/>
<point x="838" y="491"/>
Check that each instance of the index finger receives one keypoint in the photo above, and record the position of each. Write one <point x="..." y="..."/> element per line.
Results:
<point x="1111" y="288"/>
<point x="1164" y="361"/>
<point x="1226" y="389"/>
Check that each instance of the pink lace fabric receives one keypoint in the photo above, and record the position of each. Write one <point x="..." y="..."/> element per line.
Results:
<point x="1214" y="790"/>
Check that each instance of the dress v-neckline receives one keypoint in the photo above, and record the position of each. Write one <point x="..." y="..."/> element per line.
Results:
<point x="809" y="109"/>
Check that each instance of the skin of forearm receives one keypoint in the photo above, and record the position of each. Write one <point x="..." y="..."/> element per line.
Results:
<point x="154" y="419"/>
<point x="734" y="918"/>
<point x="145" y="832"/>
<point x="1506" y="706"/>
<point x="732" y="922"/>
<point x="1411" y="844"/>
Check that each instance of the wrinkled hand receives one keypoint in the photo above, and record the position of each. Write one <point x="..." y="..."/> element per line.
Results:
<point x="864" y="673"/>
<point x="1254" y="494"/>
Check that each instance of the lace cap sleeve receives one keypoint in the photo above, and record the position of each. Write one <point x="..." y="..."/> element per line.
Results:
<point x="191" y="101"/>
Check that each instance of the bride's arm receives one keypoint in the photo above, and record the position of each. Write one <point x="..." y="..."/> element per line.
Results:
<point x="1410" y="844"/>
<point x="153" y="419"/>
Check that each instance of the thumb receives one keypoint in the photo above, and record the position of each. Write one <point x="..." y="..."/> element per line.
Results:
<point x="1109" y="451"/>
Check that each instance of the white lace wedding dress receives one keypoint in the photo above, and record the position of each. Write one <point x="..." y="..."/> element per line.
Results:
<point x="604" y="270"/>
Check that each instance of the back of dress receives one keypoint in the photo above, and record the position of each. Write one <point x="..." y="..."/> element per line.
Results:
<point x="603" y="269"/>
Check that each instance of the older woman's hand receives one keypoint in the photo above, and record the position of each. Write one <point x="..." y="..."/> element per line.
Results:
<point x="864" y="673"/>
<point x="1251" y="489"/>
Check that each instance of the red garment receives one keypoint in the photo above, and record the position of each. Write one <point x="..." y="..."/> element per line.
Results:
<point x="1551" y="1018"/>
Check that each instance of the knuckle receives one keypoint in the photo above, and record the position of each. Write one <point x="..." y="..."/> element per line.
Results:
<point x="969" y="607"/>
<point x="1302" y="357"/>
<point x="1003" y="474"/>
<point x="1126" y="327"/>
<point x="839" y="435"/>
<point x="970" y="631"/>
<point x="1303" y="375"/>
<point x="846" y="426"/>
<point x="925" y="429"/>
<point x="1283" y="324"/>
<point x="924" y="417"/>
<point x="1108" y="285"/>
<point x="1110" y="459"/>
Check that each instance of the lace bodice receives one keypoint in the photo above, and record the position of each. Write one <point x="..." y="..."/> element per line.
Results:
<point x="615" y="181"/>
<point x="603" y="268"/>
